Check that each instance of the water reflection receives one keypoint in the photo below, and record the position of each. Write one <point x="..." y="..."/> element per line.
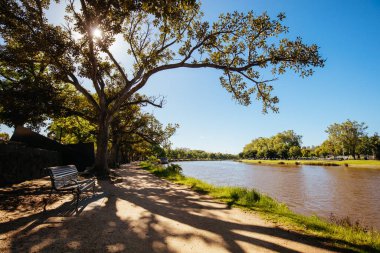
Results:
<point x="353" y="192"/>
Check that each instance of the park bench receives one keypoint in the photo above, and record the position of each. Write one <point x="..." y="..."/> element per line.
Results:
<point x="64" y="179"/>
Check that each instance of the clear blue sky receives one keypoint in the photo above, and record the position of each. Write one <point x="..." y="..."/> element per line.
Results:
<point x="348" y="33"/>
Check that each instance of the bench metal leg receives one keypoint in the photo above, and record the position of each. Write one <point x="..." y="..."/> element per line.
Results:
<point x="76" y="206"/>
<point x="46" y="200"/>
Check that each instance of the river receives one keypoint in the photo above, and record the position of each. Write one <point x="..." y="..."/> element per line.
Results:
<point x="342" y="191"/>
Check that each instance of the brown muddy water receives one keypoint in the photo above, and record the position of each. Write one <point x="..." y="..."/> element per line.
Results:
<point x="342" y="191"/>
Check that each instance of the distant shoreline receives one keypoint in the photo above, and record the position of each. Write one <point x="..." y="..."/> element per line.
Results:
<point x="370" y="164"/>
<point x="199" y="160"/>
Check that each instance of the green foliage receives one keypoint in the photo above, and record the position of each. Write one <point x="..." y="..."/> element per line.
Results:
<point x="175" y="168"/>
<point x="160" y="36"/>
<point x="188" y="154"/>
<point x="153" y="160"/>
<point x="71" y="130"/>
<point x="277" y="146"/>
<point x="28" y="94"/>
<point x="137" y="135"/>
<point x="295" y="152"/>
<point x="307" y="152"/>
<point x="347" y="136"/>
<point x="350" y="163"/>
<point x="375" y="143"/>
<point x="170" y="171"/>
<point x="327" y="148"/>
<point x="365" y="147"/>
<point x="4" y="137"/>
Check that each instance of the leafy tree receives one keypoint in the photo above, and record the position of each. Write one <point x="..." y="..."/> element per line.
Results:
<point x="329" y="148"/>
<point x="347" y="135"/>
<point x="276" y="146"/>
<point x="160" y="35"/>
<point x="306" y="152"/>
<point x="365" y="147"/>
<point x="185" y="153"/>
<point x="375" y="143"/>
<point x="270" y="154"/>
<point x="143" y="136"/>
<point x="251" y="154"/>
<point x="71" y="130"/>
<point x="28" y="94"/>
<point x="295" y="152"/>
<point x="4" y="137"/>
<point x="129" y="127"/>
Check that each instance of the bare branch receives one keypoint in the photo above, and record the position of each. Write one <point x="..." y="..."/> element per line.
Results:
<point x="82" y="90"/>
<point x="144" y="102"/>
<point x="122" y="72"/>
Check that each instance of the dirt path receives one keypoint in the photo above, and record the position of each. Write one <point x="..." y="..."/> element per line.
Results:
<point x="142" y="213"/>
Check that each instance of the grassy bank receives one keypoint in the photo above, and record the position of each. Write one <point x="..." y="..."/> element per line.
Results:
<point x="344" y="234"/>
<point x="347" y="163"/>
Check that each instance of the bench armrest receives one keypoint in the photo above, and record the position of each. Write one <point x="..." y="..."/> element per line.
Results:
<point x="75" y="181"/>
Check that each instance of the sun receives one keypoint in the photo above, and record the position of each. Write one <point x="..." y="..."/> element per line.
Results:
<point x="97" y="33"/>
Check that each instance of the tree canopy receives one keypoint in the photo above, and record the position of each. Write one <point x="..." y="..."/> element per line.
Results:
<point x="28" y="95"/>
<point x="347" y="135"/>
<point x="345" y="139"/>
<point x="282" y="145"/>
<point x="189" y="154"/>
<point x="160" y="36"/>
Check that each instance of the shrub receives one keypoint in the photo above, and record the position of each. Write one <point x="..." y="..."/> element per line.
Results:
<point x="170" y="171"/>
<point x="174" y="168"/>
<point x="153" y="159"/>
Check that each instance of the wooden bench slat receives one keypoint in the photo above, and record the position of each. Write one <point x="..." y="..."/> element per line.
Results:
<point x="64" y="171"/>
<point x="65" y="179"/>
<point x="65" y="175"/>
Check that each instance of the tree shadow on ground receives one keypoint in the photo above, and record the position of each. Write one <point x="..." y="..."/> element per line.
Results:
<point x="147" y="214"/>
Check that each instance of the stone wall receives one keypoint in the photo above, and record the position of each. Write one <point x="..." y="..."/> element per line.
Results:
<point x="19" y="163"/>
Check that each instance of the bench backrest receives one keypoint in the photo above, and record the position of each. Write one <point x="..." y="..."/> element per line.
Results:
<point x="61" y="175"/>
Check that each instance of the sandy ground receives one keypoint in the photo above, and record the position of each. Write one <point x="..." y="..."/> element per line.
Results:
<point x="138" y="213"/>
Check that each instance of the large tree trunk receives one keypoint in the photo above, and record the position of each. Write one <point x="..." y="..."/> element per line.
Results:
<point x="101" y="165"/>
<point x="115" y="151"/>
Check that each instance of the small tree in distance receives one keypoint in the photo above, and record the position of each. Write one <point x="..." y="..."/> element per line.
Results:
<point x="160" y="36"/>
<point x="347" y="136"/>
<point x="295" y="152"/>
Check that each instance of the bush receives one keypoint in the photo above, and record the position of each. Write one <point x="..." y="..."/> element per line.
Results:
<point x="170" y="171"/>
<point x="153" y="159"/>
<point x="174" y="168"/>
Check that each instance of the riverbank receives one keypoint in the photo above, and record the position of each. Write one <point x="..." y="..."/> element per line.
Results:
<point x="375" y="164"/>
<point x="353" y="237"/>
<point x="139" y="212"/>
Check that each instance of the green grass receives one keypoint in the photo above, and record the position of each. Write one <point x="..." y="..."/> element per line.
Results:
<point x="349" y="163"/>
<point x="343" y="234"/>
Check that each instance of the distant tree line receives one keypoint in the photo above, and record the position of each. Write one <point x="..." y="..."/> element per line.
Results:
<point x="188" y="154"/>
<point x="347" y="139"/>
<point x="283" y="145"/>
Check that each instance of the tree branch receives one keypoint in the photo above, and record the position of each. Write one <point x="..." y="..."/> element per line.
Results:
<point x="82" y="90"/>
